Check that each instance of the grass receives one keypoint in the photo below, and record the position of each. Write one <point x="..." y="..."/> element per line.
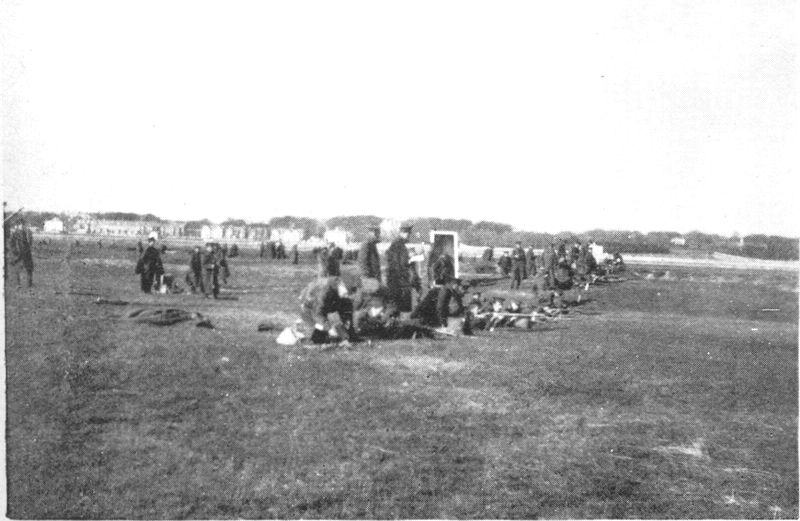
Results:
<point x="677" y="400"/>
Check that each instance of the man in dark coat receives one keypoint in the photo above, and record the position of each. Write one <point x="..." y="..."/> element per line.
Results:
<point x="443" y="270"/>
<point x="517" y="265"/>
<point x="368" y="258"/>
<point x="549" y="264"/>
<point x="531" y="262"/>
<point x="21" y="258"/>
<point x="399" y="272"/>
<point x="434" y="309"/>
<point x="194" y="277"/>
<point x="504" y="264"/>
<point x="295" y="254"/>
<point x="335" y="256"/>
<point x="149" y="266"/>
<point x="211" y="271"/>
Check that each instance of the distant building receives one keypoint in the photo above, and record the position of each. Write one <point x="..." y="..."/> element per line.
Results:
<point x="338" y="236"/>
<point x="678" y="241"/>
<point x="286" y="235"/>
<point x="211" y="232"/>
<point x="54" y="225"/>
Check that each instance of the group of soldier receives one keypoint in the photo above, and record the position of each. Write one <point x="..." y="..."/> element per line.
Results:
<point x="368" y="300"/>
<point x="557" y="268"/>
<point x="206" y="268"/>
<point x="369" y="296"/>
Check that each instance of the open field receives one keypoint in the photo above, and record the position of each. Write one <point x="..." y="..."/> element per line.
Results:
<point x="673" y="395"/>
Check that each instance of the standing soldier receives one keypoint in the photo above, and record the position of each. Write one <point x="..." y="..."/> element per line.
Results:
<point x="149" y="266"/>
<point x="549" y="264"/>
<point x="21" y="253"/>
<point x="531" y="261"/>
<point x="335" y="255"/>
<point x="517" y="265"/>
<point x="223" y="264"/>
<point x="368" y="258"/>
<point x="295" y="254"/>
<point x="194" y="277"/>
<point x="322" y="262"/>
<point x="210" y="271"/>
<point x="398" y="272"/>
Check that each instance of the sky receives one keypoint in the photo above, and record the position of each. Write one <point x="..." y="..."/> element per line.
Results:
<point x="550" y="116"/>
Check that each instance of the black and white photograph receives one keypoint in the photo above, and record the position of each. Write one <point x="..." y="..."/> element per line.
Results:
<point x="400" y="260"/>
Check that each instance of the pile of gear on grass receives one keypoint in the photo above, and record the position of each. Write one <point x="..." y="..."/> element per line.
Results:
<point x="369" y="305"/>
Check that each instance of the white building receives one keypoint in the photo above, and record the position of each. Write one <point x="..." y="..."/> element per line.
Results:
<point x="54" y="225"/>
<point x="338" y="236"/>
<point x="210" y="232"/>
<point x="286" y="235"/>
<point x="678" y="241"/>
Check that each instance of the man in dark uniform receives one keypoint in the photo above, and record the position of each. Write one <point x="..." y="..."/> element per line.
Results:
<point x="368" y="258"/>
<point x="530" y="257"/>
<point x="21" y="253"/>
<point x="295" y="254"/>
<point x="194" y="277"/>
<point x="335" y="256"/>
<point x="517" y="265"/>
<point x="434" y="309"/>
<point x="504" y="264"/>
<point x="399" y="272"/>
<point x="549" y="264"/>
<point x="443" y="270"/>
<point x="210" y="271"/>
<point x="149" y="266"/>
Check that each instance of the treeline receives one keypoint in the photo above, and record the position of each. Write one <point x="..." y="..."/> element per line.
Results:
<point x="491" y="233"/>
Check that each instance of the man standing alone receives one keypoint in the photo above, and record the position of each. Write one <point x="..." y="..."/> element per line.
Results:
<point x="368" y="258"/>
<point x="149" y="266"/>
<point x="21" y="253"/>
<point x="517" y="265"/>
<point x="398" y="272"/>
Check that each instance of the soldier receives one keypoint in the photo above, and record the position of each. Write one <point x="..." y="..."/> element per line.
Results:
<point x="563" y="274"/>
<point x="295" y="254"/>
<point x="322" y="262"/>
<point x="443" y="270"/>
<point x="530" y="257"/>
<point x="21" y="253"/>
<point x="194" y="277"/>
<point x="335" y="256"/>
<point x="323" y="297"/>
<point x="149" y="266"/>
<point x="504" y="264"/>
<point x="210" y="271"/>
<point x="517" y="265"/>
<point x="223" y="264"/>
<point x="262" y="250"/>
<point x="280" y="250"/>
<point x="368" y="258"/>
<point x="399" y="272"/>
<point x="434" y="309"/>
<point x="549" y="264"/>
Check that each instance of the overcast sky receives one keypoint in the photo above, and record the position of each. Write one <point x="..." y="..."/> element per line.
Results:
<point x="549" y="116"/>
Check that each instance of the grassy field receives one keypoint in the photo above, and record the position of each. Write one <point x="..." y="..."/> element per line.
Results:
<point x="675" y="398"/>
